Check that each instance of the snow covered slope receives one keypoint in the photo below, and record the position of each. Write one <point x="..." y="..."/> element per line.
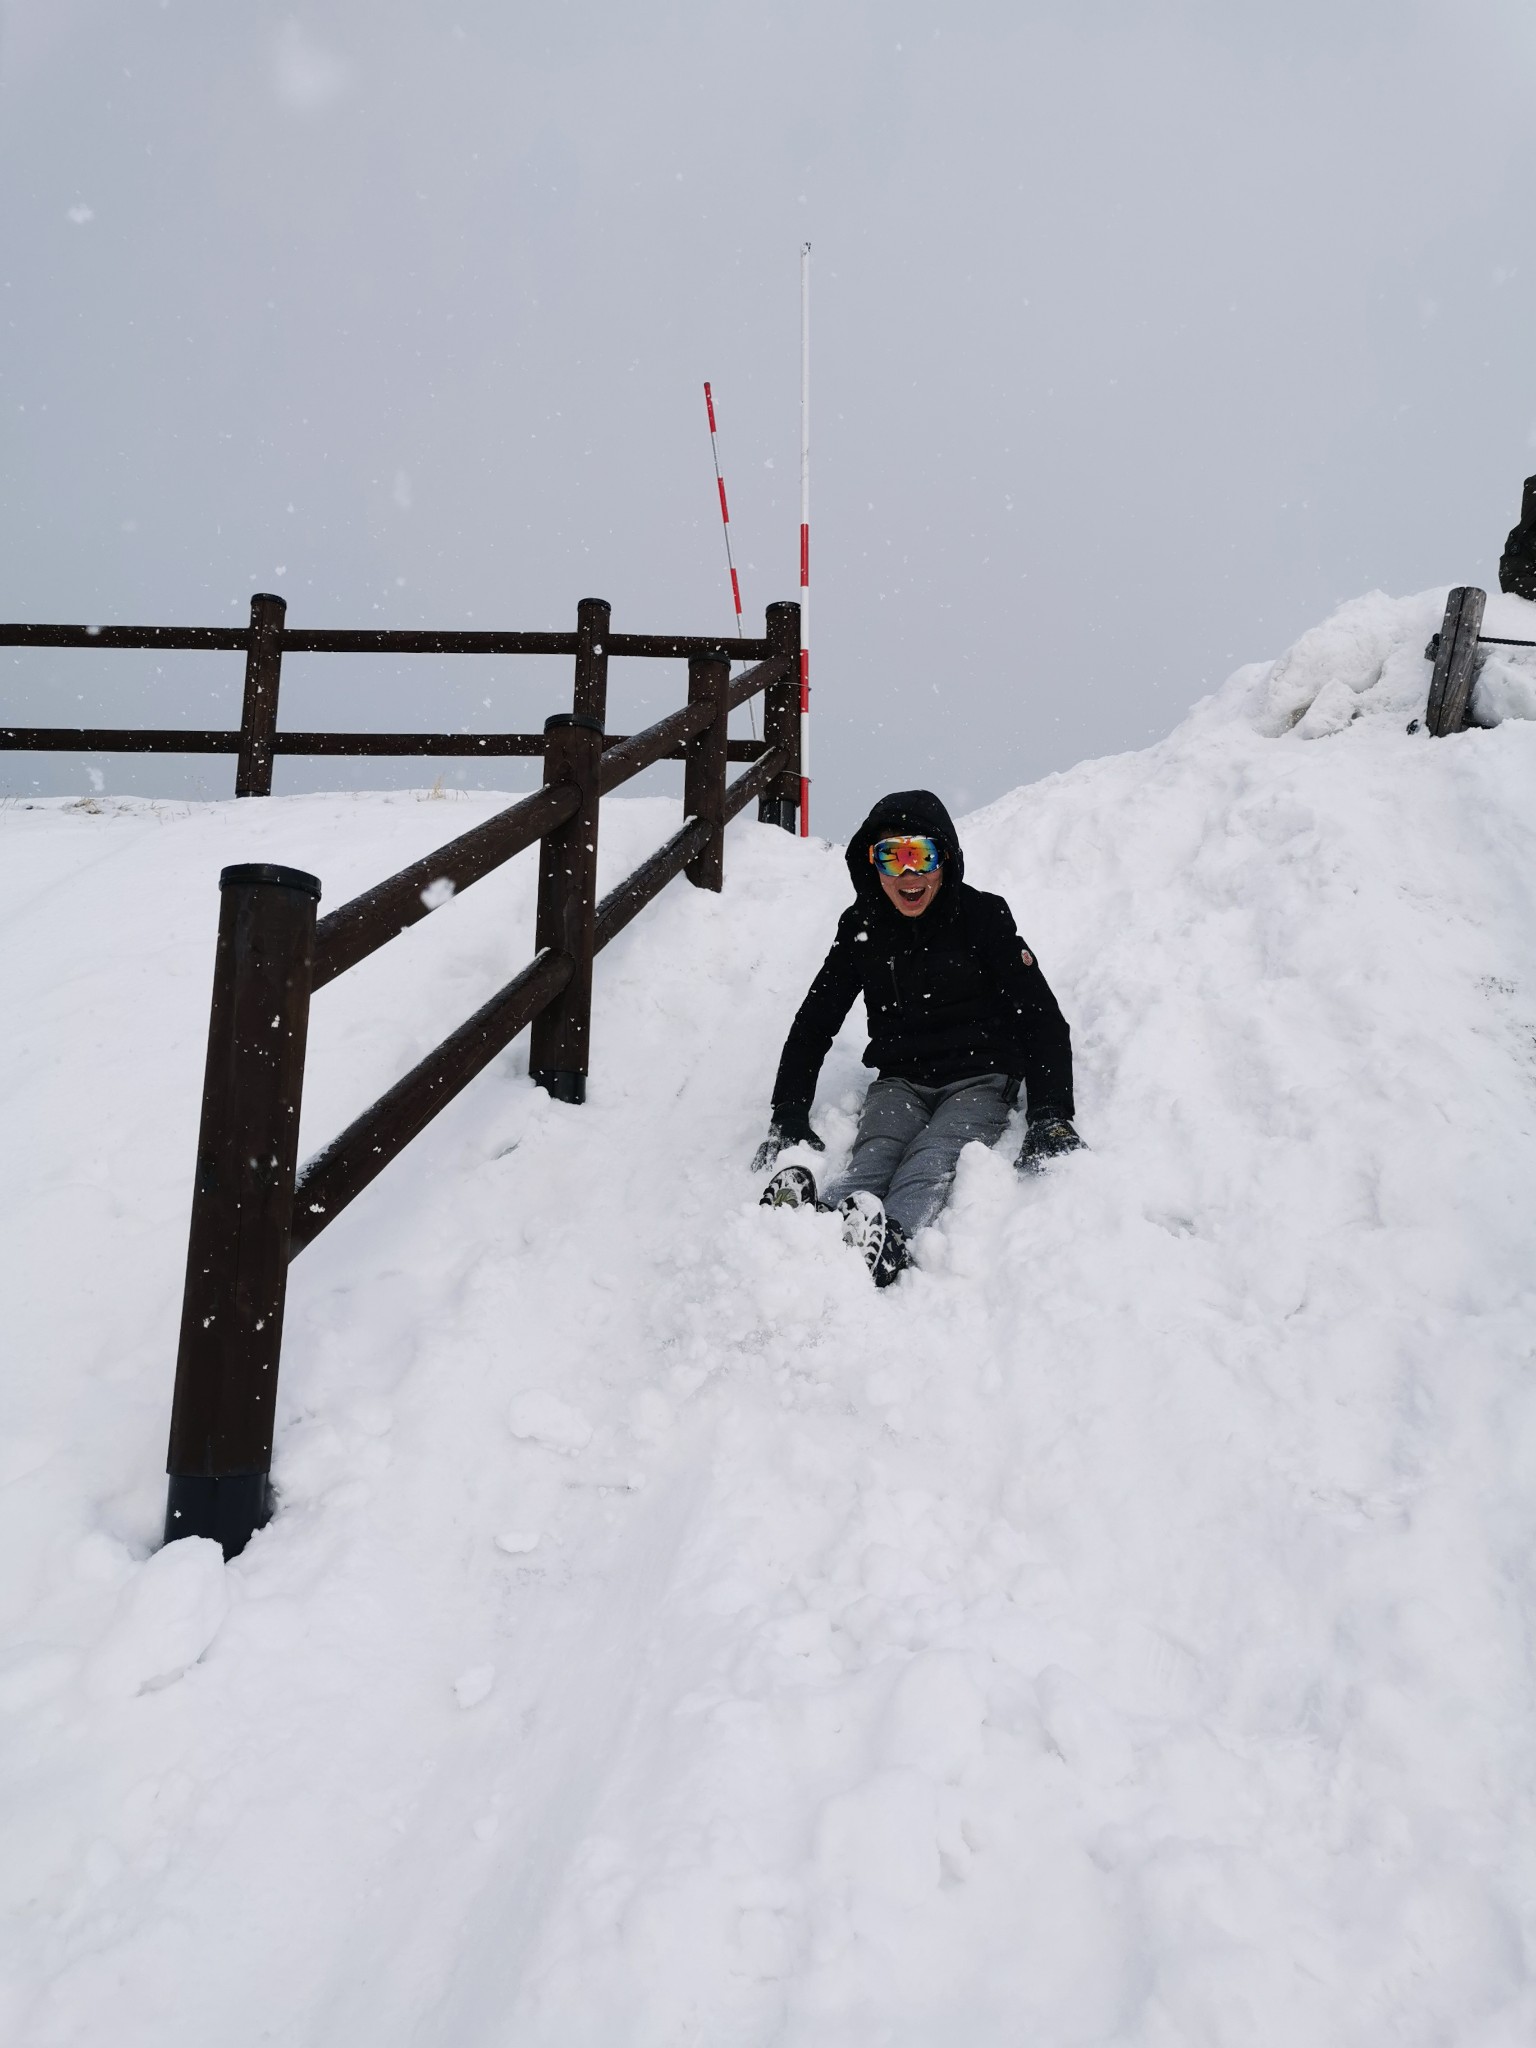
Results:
<point x="1120" y="1631"/>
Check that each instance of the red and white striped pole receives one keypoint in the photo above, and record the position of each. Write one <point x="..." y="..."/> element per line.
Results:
<point x="805" y="540"/>
<point x="725" y="510"/>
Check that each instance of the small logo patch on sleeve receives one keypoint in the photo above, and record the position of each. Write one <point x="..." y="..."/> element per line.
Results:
<point x="1026" y="956"/>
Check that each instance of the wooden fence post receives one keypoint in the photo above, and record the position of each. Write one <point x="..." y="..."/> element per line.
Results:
<point x="258" y="711"/>
<point x="589" y="698"/>
<point x="709" y="681"/>
<point x="1455" y="661"/>
<point x="560" y="1048"/>
<point x="220" y="1453"/>
<point x="780" y="802"/>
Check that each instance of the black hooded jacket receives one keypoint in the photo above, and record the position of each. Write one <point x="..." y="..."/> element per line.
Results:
<point x="952" y="993"/>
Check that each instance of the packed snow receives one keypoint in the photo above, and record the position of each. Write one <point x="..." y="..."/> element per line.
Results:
<point x="1117" y="1632"/>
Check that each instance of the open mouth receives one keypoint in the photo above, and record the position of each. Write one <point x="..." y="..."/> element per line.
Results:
<point x="913" y="892"/>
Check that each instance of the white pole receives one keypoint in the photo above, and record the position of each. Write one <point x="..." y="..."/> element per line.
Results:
<point x="805" y="540"/>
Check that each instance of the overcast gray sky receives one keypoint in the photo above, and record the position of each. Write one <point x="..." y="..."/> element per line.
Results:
<point x="1144" y="334"/>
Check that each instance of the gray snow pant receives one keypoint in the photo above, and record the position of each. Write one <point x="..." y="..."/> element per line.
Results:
<point x="909" y="1142"/>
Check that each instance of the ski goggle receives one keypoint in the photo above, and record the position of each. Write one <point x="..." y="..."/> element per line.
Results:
<point x="913" y="854"/>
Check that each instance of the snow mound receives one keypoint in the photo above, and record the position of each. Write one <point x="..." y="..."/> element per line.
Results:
<point x="169" y="1612"/>
<point x="1505" y="686"/>
<point x="1118" y="1631"/>
<point x="1312" y="688"/>
<point x="1368" y="660"/>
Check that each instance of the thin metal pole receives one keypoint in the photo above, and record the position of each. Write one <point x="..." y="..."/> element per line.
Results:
<point x="725" y="523"/>
<point x="725" y="510"/>
<point x="805" y="539"/>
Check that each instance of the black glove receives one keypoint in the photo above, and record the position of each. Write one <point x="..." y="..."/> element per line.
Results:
<point x="1049" y="1135"/>
<point x="791" y="1125"/>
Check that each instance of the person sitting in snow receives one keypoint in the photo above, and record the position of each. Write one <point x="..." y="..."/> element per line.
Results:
<point x="960" y="1017"/>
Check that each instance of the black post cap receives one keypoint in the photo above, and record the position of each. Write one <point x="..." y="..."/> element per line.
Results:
<point x="270" y="877"/>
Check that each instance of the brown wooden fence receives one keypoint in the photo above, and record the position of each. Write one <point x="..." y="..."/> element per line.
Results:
<point x="1453" y="650"/>
<point x="254" y="1208"/>
<point x="268" y="638"/>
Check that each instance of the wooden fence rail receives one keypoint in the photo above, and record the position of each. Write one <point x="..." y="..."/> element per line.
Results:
<point x="254" y="1208"/>
<point x="267" y="638"/>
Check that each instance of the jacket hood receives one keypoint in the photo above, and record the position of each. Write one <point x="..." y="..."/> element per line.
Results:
<point x="904" y="810"/>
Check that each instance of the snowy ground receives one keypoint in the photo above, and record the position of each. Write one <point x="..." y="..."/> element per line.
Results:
<point x="1119" y="1632"/>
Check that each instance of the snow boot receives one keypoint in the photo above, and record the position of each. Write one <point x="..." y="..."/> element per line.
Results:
<point x="792" y="1187"/>
<point x="878" y="1239"/>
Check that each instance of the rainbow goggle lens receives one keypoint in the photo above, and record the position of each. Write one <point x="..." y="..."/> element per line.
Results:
<point x="914" y="855"/>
